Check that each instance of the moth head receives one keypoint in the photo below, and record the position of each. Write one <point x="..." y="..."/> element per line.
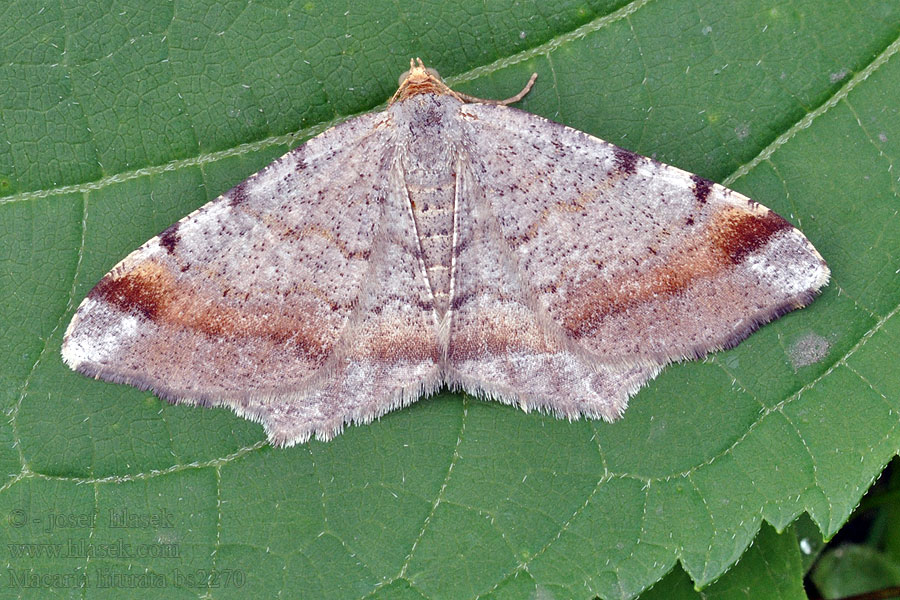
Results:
<point x="419" y="79"/>
<point x="419" y="72"/>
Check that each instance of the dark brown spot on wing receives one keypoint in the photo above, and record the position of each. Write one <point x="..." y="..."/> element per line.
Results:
<point x="299" y="154"/>
<point x="238" y="194"/>
<point x="626" y="160"/>
<point x="141" y="291"/>
<point x="702" y="188"/>
<point x="169" y="238"/>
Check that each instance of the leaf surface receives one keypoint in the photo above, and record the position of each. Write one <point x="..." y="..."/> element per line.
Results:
<point x="115" y="121"/>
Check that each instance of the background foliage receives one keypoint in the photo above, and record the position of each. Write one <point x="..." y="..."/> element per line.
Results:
<point x="117" y="118"/>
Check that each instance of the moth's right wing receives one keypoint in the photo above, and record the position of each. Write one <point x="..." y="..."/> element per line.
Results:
<point x="264" y="298"/>
<point x="581" y="268"/>
<point x="635" y="260"/>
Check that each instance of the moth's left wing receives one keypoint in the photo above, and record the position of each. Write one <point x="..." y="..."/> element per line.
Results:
<point x="285" y="299"/>
<point x="633" y="261"/>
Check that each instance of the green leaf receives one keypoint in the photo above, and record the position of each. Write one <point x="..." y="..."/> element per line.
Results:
<point x="853" y="569"/>
<point x="772" y="568"/>
<point x="117" y="119"/>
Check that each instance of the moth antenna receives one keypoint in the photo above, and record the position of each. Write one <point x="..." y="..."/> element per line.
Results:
<point x="510" y="100"/>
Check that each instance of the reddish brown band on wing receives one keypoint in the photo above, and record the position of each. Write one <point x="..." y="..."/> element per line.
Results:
<point x="733" y="234"/>
<point x="151" y="291"/>
<point x="737" y="233"/>
<point x="500" y="333"/>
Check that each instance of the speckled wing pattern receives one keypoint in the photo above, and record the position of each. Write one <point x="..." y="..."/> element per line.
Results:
<point x="295" y="298"/>
<point x="440" y="242"/>
<point x="593" y="266"/>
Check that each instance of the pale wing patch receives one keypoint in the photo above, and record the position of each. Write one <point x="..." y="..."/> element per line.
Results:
<point x="793" y="277"/>
<point x="102" y="347"/>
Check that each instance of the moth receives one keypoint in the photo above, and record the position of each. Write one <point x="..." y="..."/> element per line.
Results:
<point x="445" y="241"/>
